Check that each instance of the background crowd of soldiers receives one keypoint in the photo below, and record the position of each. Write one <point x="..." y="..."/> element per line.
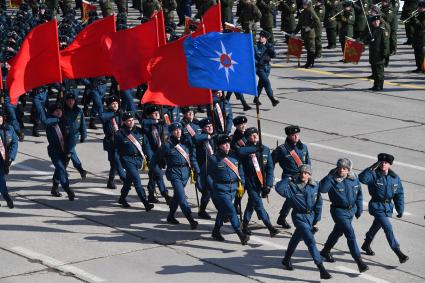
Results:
<point x="222" y="165"/>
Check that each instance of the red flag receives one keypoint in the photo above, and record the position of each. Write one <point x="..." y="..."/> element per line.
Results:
<point x="168" y="84"/>
<point x="212" y="19"/>
<point x="129" y="52"/>
<point x="84" y="57"/>
<point x="295" y="46"/>
<point x="37" y="61"/>
<point x="353" y="50"/>
<point x="160" y="24"/>
<point x="86" y="8"/>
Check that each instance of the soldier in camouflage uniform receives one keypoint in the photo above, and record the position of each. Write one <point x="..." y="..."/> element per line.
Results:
<point x="288" y="24"/>
<point x="330" y="23"/>
<point x="319" y="8"/>
<point x="347" y="20"/>
<point x="249" y="15"/>
<point x="360" y="28"/>
<point x="408" y="8"/>
<point x="390" y="17"/>
<point x="266" y="21"/>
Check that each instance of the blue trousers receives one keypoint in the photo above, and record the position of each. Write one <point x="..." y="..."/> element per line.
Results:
<point x="3" y="187"/>
<point x="343" y="226"/>
<point x="127" y="99"/>
<point x="304" y="231"/>
<point x="60" y="175"/>
<point x="382" y="221"/>
<point x="97" y="95"/>
<point x="286" y="208"/>
<point x="255" y="202"/>
<point x="223" y="200"/>
<point x="179" y="197"/>
<point x="11" y="116"/>
<point x="264" y="82"/>
<point x="184" y="8"/>
<point x="157" y="181"/>
<point x="115" y="165"/>
<point x="132" y="176"/>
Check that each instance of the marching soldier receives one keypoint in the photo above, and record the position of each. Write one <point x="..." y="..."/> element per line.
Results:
<point x="190" y="125"/>
<point x="330" y="23"/>
<point x="320" y="9"/>
<point x="390" y="16"/>
<point x="288" y="8"/>
<point x="223" y="114"/>
<point x="303" y="193"/>
<point x="128" y="142"/>
<point x="418" y="39"/>
<point x="407" y="10"/>
<point x="259" y="176"/>
<point x="308" y="24"/>
<point x="360" y="28"/>
<point x="378" y="49"/>
<point x="266" y="22"/>
<point x="238" y="137"/>
<point x="385" y="188"/>
<point x="345" y="194"/>
<point x="225" y="174"/>
<point x="111" y="120"/>
<point x="8" y="152"/>
<point x="248" y="15"/>
<point x="264" y="52"/>
<point x="180" y="160"/>
<point x="347" y="20"/>
<point x="290" y="155"/>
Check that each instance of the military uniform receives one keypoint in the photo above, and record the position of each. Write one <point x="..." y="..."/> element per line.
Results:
<point x="223" y="115"/>
<point x="259" y="177"/>
<point x="106" y="8"/>
<point x="184" y="9"/>
<point x="128" y="143"/>
<point x="223" y="175"/>
<point x="8" y="152"/>
<point x="407" y="10"/>
<point x="345" y="194"/>
<point x="378" y="49"/>
<point x="288" y="8"/>
<point x="149" y="7"/>
<point x="190" y="128"/>
<point x="418" y="39"/>
<point x="360" y="24"/>
<point x="203" y="6"/>
<point x="389" y="15"/>
<point x="97" y="90"/>
<point x="307" y="202"/>
<point x="320" y="10"/>
<point x="266" y="21"/>
<point x="180" y="160"/>
<point x="308" y="23"/>
<point x="226" y="11"/>
<point x="238" y="137"/>
<point x="249" y="15"/>
<point x="384" y="189"/>
<point x="290" y="156"/>
<point x="169" y="6"/>
<point x="347" y="20"/>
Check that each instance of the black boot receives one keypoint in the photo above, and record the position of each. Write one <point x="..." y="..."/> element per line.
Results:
<point x="172" y="219"/>
<point x="256" y="100"/>
<point x="54" y="191"/>
<point x="193" y="223"/>
<point x="287" y="264"/>
<point x="217" y="235"/>
<point x="8" y="200"/>
<point x="123" y="202"/>
<point x="167" y="198"/>
<point x="324" y="274"/>
<point x="83" y="173"/>
<point x="309" y="60"/>
<point x="361" y="265"/>
<point x="282" y="222"/>
<point x="366" y="247"/>
<point x="148" y="206"/>
<point x="92" y="125"/>
<point x="245" y="228"/>
<point x="243" y="237"/>
<point x="275" y="102"/>
<point x="70" y="193"/>
<point x="381" y="85"/>
<point x="111" y="184"/>
<point x="326" y="254"/>
<point x="202" y="213"/>
<point x="273" y="231"/>
<point x="35" y="132"/>
<point x="312" y="59"/>
<point x="152" y="199"/>
<point x="401" y="256"/>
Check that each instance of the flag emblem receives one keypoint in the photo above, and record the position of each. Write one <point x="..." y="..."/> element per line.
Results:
<point x="225" y="60"/>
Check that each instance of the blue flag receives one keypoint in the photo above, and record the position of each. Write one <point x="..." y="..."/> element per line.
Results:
<point x="222" y="62"/>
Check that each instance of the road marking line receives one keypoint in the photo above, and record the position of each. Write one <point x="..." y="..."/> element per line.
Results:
<point x="420" y="168"/>
<point x="362" y="275"/>
<point x="54" y="263"/>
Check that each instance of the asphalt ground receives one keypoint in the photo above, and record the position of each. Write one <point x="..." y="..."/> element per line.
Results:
<point x="93" y="239"/>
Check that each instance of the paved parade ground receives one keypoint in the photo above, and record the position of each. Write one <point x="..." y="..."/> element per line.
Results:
<point x="93" y="239"/>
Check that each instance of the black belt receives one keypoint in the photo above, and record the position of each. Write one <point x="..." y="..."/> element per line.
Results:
<point x="226" y="182"/>
<point x="387" y="200"/>
<point x="308" y="211"/>
<point x="180" y="165"/>
<point x="134" y="155"/>
<point x="343" y="207"/>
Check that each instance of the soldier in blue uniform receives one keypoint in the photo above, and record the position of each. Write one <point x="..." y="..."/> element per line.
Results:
<point x="153" y="128"/>
<point x="76" y="129"/>
<point x="385" y="188"/>
<point x="190" y="125"/>
<point x="238" y="138"/>
<point x="128" y="142"/>
<point x="223" y="114"/>
<point x="111" y="120"/>
<point x="304" y="196"/>
<point x="97" y="90"/>
<point x="290" y="156"/>
<point x="258" y="179"/>
<point x="57" y="149"/>
<point x="345" y="194"/>
<point x="180" y="160"/>
<point x="205" y="146"/>
<point x="224" y="175"/>
<point x="8" y="151"/>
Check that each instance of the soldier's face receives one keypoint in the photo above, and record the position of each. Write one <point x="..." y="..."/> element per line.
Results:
<point x="208" y="129"/>
<point x="304" y="176"/>
<point x="384" y="166"/>
<point x="294" y="138"/>
<point x="114" y="106"/>
<point x="189" y="115"/>
<point x="57" y="113"/>
<point x="155" y="115"/>
<point x="129" y="123"/>
<point x="70" y="102"/>
<point x="376" y="23"/>
<point x="177" y="133"/>
<point x="225" y="147"/>
<point x="241" y="128"/>
<point x="253" y="138"/>
<point x="263" y="39"/>
<point x="343" y="172"/>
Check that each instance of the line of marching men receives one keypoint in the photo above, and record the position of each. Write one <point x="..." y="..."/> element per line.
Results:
<point x="223" y="167"/>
